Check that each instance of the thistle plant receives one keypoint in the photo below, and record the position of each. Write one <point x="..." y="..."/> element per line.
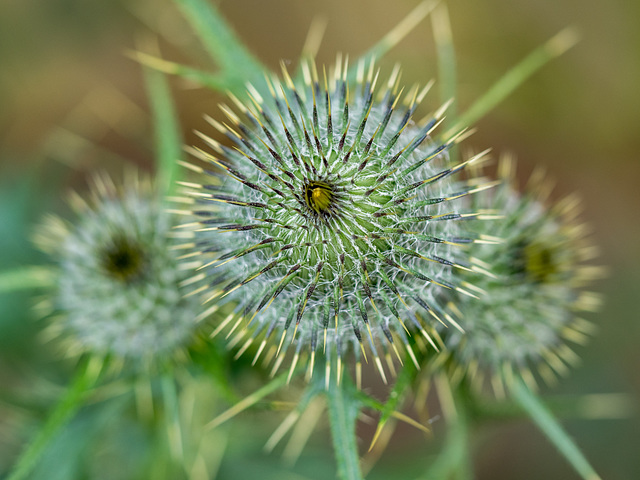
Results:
<point x="334" y="218"/>
<point x="533" y="304"/>
<point x="332" y="221"/>
<point x="116" y="305"/>
<point x="117" y="293"/>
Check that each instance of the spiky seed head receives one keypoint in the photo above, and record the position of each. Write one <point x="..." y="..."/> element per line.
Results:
<point x="332" y="218"/>
<point x="118" y="292"/>
<point x="532" y="306"/>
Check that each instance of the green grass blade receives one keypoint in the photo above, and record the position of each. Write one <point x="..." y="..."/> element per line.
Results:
<point x="401" y="30"/>
<point x="343" y="408"/>
<point x="394" y="36"/>
<point x="172" y="417"/>
<point x="553" y="48"/>
<point x="594" y="406"/>
<point x="237" y="64"/>
<point x="68" y="405"/>
<point x="447" y="69"/>
<point x="552" y="429"/>
<point x="167" y="137"/>
<point x="26" y="278"/>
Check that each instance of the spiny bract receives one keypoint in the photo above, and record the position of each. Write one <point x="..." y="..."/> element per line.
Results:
<point x="118" y="290"/>
<point x="335" y="217"/>
<point x="530" y="307"/>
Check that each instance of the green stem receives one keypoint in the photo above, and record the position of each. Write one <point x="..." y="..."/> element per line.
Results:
<point x="343" y="410"/>
<point x="454" y="460"/>
<point x="68" y="405"/>
<point x="168" y="140"/>
<point x="172" y="418"/>
<point x="552" y="429"/>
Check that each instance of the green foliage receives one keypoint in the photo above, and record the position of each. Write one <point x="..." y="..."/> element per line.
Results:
<point x="237" y="65"/>
<point x="550" y="426"/>
<point x="67" y="407"/>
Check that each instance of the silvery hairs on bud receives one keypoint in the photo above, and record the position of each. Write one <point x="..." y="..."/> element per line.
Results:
<point x="118" y="289"/>
<point x="329" y="217"/>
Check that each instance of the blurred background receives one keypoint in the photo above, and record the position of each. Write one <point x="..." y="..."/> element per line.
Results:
<point x="72" y="102"/>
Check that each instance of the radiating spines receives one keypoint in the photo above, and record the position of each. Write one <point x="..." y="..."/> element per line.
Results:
<point x="332" y="219"/>
<point x="531" y="311"/>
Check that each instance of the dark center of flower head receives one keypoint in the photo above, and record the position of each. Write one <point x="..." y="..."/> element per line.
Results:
<point x="536" y="262"/>
<point x="542" y="264"/>
<point x="123" y="259"/>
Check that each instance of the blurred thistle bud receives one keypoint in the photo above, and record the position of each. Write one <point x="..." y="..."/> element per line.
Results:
<point x="118" y="293"/>
<point x="332" y="221"/>
<point x="532" y="306"/>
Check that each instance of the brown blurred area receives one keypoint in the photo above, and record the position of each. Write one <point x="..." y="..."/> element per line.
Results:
<point x="72" y="102"/>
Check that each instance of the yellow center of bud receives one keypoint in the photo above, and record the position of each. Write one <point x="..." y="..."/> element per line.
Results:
<point x="540" y="262"/>
<point x="318" y="196"/>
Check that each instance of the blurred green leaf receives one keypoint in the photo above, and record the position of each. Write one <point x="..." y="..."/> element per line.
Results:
<point x="238" y="66"/>
<point x="552" y="429"/>
<point x="24" y="193"/>
<point x="67" y="456"/>
<point x="171" y="417"/>
<point x="447" y="69"/>
<point x="446" y="56"/>
<point x="400" y="31"/>
<point x="68" y="405"/>
<point x="25" y="278"/>
<point x="168" y="141"/>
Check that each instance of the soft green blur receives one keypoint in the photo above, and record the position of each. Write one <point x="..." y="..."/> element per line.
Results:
<point x="72" y="103"/>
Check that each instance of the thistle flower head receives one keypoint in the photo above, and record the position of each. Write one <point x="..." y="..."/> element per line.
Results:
<point x="332" y="218"/>
<point x="530" y="307"/>
<point x="118" y="289"/>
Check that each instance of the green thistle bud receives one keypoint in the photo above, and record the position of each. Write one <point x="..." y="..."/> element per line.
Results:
<point x="118" y="290"/>
<point x="333" y="219"/>
<point x="530" y="308"/>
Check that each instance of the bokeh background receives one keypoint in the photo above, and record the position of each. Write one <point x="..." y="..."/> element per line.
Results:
<point x="72" y="102"/>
